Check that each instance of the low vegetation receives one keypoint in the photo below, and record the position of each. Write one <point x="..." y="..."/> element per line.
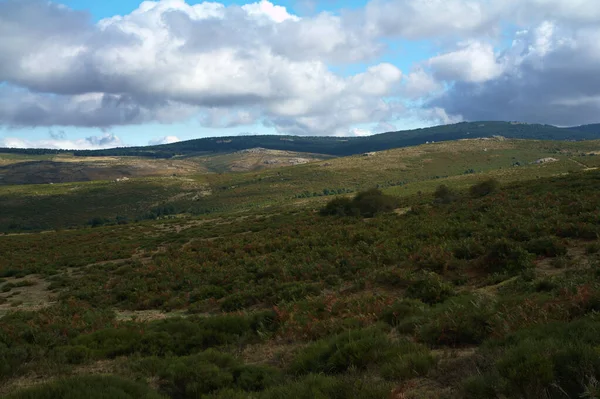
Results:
<point x="478" y="290"/>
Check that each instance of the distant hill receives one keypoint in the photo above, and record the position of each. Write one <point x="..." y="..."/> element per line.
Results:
<point x="342" y="146"/>
<point x="594" y="128"/>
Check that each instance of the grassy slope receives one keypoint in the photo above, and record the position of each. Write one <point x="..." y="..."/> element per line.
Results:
<point x="345" y="146"/>
<point x="400" y="171"/>
<point x="481" y="298"/>
<point x="348" y="146"/>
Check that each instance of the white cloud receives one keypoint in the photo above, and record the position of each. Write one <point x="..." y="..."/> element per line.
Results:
<point x="384" y="127"/>
<point x="473" y="62"/>
<point x="269" y="10"/>
<point x="169" y="60"/>
<point x="419" y="83"/>
<point x="415" y="19"/>
<point x="164" y="140"/>
<point x="448" y="19"/>
<point x="235" y="65"/>
<point x="107" y="140"/>
<point x="357" y="132"/>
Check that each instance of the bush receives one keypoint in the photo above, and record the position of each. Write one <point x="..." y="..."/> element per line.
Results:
<point x="484" y="188"/>
<point x="468" y="249"/>
<point x="414" y="361"/>
<point x="110" y="342"/>
<point x="402" y="310"/>
<point x="341" y="206"/>
<point x="237" y="301"/>
<point x="592" y="248"/>
<point x="548" y="368"/>
<point x="320" y="387"/>
<point x="429" y="288"/>
<point x="77" y="354"/>
<point x="584" y="231"/>
<point x="366" y="204"/>
<point x="371" y="202"/>
<point x="352" y="349"/>
<point x="462" y="321"/>
<point x="546" y="246"/>
<point x="444" y="195"/>
<point x="211" y="371"/>
<point x="206" y="292"/>
<point x="92" y="387"/>
<point x="505" y="256"/>
<point x="175" y="336"/>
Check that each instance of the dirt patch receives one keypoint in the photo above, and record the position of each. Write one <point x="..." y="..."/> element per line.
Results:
<point x="24" y="382"/>
<point x="271" y="353"/>
<point x="146" y="315"/>
<point x="25" y="298"/>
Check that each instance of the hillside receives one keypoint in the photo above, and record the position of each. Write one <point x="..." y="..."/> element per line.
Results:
<point x="594" y="128"/>
<point x="403" y="171"/>
<point x="356" y="145"/>
<point x="16" y="169"/>
<point x="471" y="294"/>
<point x="341" y="146"/>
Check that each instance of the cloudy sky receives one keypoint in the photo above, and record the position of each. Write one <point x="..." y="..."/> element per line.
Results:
<point x="105" y="73"/>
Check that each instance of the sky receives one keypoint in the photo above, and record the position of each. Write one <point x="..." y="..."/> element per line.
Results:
<point x="79" y="74"/>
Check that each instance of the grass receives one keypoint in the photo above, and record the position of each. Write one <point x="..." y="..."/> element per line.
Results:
<point x="449" y="299"/>
<point x="401" y="172"/>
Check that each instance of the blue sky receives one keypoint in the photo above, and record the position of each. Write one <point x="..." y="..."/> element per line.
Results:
<point x="107" y="8"/>
<point x="176" y="70"/>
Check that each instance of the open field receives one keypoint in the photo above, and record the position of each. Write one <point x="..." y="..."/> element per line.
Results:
<point x="460" y="293"/>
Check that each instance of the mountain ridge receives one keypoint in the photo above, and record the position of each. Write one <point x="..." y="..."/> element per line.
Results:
<point x="342" y="146"/>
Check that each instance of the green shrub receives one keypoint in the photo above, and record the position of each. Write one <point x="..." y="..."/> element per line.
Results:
<point x="110" y="342"/>
<point x="366" y="204"/>
<point x="462" y="321"/>
<point x="413" y="361"/>
<point x="328" y="387"/>
<point x="506" y="256"/>
<point x="592" y="248"/>
<point x="295" y="291"/>
<point x="546" y="246"/>
<point x="175" y="336"/>
<point x="393" y="277"/>
<point x="553" y="368"/>
<point x="429" y="287"/>
<point x="480" y="387"/>
<point x="206" y="292"/>
<point x="12" y="358"/>
<point x="468" y="249"/>
<point x="92" y="387"/>
<point x="402" y="310"/>
<point x="77" y="354"/>
<point x="352" y="349"/>
<point x="192" y="376"/>
<point x="237" y="301"/>
<point x="585" y="231"/>
<point x="484" y="188"/>
<point x="373" y="201"/>
<point x="341" y="206"/>
<point x="211" y="371"/>
<point x="255" y="378"/>
<point x="554" y="360"/>
<point x="444" y="195"/>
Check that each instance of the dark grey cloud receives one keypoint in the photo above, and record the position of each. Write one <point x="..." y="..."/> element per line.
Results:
<point x="550" y="76"/>
<point x="230" y="66"/>
<point x="57" y="134"/>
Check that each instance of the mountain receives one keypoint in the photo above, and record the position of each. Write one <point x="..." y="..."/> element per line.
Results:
<point x="343" y="146"/>
<point x="594" y="128"/>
